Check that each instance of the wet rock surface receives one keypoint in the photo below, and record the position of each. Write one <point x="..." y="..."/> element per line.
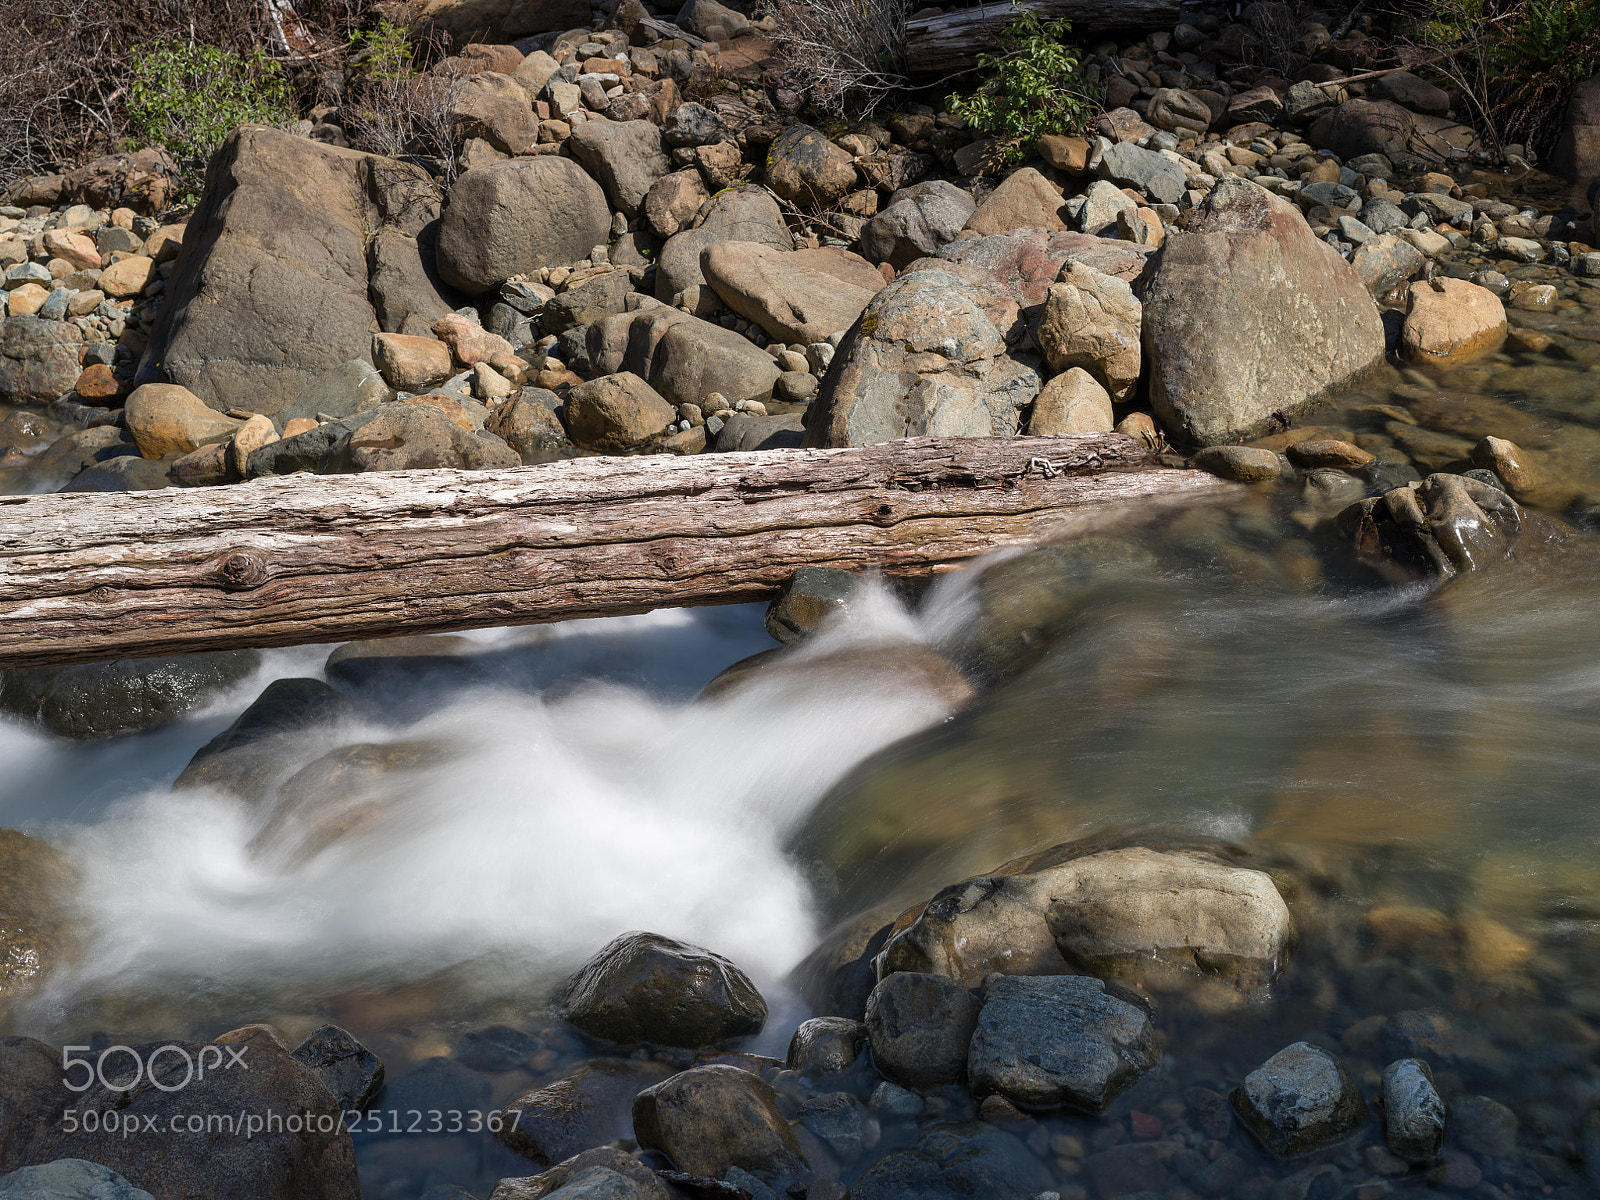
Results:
<point x="919" y="1027"/>
<point x="646" y="988"/>
<point x="1299" y="1100"/>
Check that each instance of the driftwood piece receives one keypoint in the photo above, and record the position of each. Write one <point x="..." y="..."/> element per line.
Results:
<point x="951" y="42"/>
<point x="304" y="559"/>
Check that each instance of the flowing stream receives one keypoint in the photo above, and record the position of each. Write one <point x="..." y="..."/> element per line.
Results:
<point x="1222" y="671"/>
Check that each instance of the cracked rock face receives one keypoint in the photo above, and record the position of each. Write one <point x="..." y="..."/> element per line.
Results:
<point x="1059" y="1041"/>
<point x="1299" y="1100"/>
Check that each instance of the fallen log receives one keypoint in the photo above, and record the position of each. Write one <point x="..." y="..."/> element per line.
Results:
<point x="948" y="44"/>
<point x="306" y="558"/>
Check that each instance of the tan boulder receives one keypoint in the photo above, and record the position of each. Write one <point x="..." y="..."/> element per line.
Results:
<point x="1092" y="320"/>
<point x="77" y="248"/>
<point x="470" y="342"/>
<point x="1025" y="200"/>
<point x="1069" y="154"/>
<point x="796" y="296"/>
<point x="163" y="417"/>
<point x="26" y="300"/>
<point x="411" y="363"/>
<point x="1072" y="402"/>
<point x="1451" y="318"/>
<point x="616" y="412"/>
<point x="163" y="245"/>
<point x="128" y="278"/>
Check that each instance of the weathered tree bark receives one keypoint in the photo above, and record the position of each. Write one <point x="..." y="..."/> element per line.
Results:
<point x="304" y="559"/>
<point x="951" y="42"/>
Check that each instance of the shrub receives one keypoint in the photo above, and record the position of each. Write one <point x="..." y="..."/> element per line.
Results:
<point x="393" y="109"/>
<point x="847" y="56"/>
<point x="186" y="99"/>
<point x="1034" y="87"/>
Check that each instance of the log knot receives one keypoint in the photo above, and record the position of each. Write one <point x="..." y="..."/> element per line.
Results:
<point x="241" y="570"/>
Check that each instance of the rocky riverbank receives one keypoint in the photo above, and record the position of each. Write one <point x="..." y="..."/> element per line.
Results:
<point x="1318" y="285"/>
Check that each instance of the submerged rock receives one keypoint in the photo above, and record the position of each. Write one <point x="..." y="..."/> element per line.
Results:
<point x="707" y="1119"/>
<point x="1299" y="1100"/>
<point x="95" y="700"/>
<point x="623" y="1177"/>
<point x="1145" y="916"/>
<point x="1413" y="1113"/>
<point x="588" y="1107"/>
<point x="1059" y="1041"/>
<point x="812" y="595"/>
<point x="247" y="757"/>
<point x="35" y="882"/>
<point x="643" y="987"/>
<point x="1447" y="524"/>
<point x="947" y="1166"/>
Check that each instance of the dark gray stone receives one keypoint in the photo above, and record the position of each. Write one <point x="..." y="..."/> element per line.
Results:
<point x="643" y="987"/>
<point x="95" y="700"/>
<point x="946" y="1166"/>
<point x="836" y="1118"/>
<point x="1048" y="1041"/>
<point x="920" y="1027"/>
<point x="1299" y="1100"/>
<point x="348" y="1069"/>
<point x="123" y="473"/>
<point x="246" y="756"/>
<point x="746" y="431"/>
<point x="1413" y="1113"/>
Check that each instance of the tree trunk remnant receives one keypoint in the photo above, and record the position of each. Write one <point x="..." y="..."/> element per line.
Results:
<point x="303" y="558"/>
<point x="951" y="42"/>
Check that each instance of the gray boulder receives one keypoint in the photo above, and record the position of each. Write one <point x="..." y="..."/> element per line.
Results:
<point x="616" y="412"/>
<point x="925" y="359"/>
<point x="1248" y="273"/>
<point x="919" y="1027"/>
<point x="38" y="359"/>
<point x="1149" y="172"/>
<point x="463" y="22"/>
<point x="796" y="296"/>
<point x="643" y="987"/>
<point x="1299" y="1100"/>
<point x="805" y="168"/>
<point x="627" y="158"/>
<point x="1057" y="1041"/>
<point x="410" y="437"/>
<point x="917" y="221"/>
<point x="587" y="1107"/>
<point x="271" y="287"/>
<point x="514" y="217"/>
<point x="95" y="700"/>
<point x="746" y="431"/>
<point x="408" y="294"/>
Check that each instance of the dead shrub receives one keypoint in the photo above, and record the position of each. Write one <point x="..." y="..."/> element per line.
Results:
<point x="844" y="55"/>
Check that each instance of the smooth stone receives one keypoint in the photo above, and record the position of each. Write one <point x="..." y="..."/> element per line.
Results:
<point x="1244" y="464"/>
<point x="1299" y="1100"/>
<point x="920" y="1027"/>
<point x="710" y="1118"/>
<point x="826" y="1045"/>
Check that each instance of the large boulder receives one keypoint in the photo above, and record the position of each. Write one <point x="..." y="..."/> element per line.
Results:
<point x="643" y="987"/>
<point x="616" y="412"/>
<point x="95" y="700"/>
<point x="511" y="218"/>
<point x="164" y="417"/>
<point x="410" y="437"/>
<point x="465" y="21"/>
<point x="805" y="168"/>
<point x="1024" y="200"/>
<point x="38" y="359"/>
<point x="234" y="1155"/>
<point x="271" y="288"/>
<point x="1360" y="127"/>
<point x="916" y="222"/>
<point x="682" y="357"/>
<point x="1248" y="317"/>
<point x="924" y="359"/>
<point x="35" y="887"/>
<point x="796" y="296"/>
<point x="627" y="157"/>
<point x="740" y="215"/>
<point x="1161" y="918"/>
